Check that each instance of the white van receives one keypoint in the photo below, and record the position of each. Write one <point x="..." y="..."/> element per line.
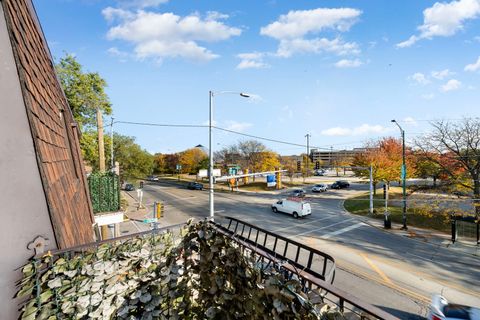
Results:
<point x="293" y="206"/>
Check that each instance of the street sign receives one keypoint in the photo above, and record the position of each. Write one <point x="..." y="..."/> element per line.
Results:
<point x="271" y="180"/>
<point x="179" y="167"/>
<point x="151" y="220"/>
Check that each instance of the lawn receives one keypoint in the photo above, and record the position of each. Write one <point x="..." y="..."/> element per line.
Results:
<point x="417" y="217"/>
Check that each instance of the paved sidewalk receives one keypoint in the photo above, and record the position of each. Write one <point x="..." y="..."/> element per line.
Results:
<point x="424" y="235"/>
<point x="136" y="216"/>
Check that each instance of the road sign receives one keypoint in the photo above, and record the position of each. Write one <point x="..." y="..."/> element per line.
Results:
<point x="151" y="220"/>
<point x="179" y="167"/>
<point x="271" y="180"/>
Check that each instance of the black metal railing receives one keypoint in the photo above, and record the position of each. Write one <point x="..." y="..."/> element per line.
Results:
<point x="316" y="275"/>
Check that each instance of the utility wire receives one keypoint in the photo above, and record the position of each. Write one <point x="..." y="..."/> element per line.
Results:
<point x="267" y="139"/>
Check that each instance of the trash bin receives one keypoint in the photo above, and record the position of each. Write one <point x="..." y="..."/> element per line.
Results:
<point x="387" y="223"/>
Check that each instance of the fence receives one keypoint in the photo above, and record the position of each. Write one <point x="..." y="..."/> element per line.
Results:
<point x="314" y="269"/>
<point x="61" y="281"/>
<point x="104" y="192"/>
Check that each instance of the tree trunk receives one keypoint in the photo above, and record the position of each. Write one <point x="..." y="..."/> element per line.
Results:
<point x="434" y="181"/>
<point x="374" y="188"/>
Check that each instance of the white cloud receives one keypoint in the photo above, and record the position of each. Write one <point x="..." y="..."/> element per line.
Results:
<point x="364" y="129"/>
<point x="214" y="15"/>
<point x="296" y="29"/>
<point x="428" y="96"/>
<point x="419" y="78"/>
<point x="121" y="55"/>
<point x="440" y="75"/>
<point x="252" y="60"/>
<point x="251" y="64"/>
<point x="289" y="47"/>
<point x="296" y="24"/>
<point x="474" y="66"/>
<point x="451" y="85"/>
<point x="166" y="35"/>
<point x="410" y="121"/>
<point x="444" y="19"/>
<point x="141" y="4"/>
<point x="237" y="126"/>
<point x="345" y="63"/>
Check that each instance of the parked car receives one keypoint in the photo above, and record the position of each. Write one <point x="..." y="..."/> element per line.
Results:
<point x="129" y="187"/>
<point x="195" y="186"/>
<point x="319" y="188"/>
<point x="441" y="309"/>
<point x="340" y="184"/>
<point x="152" y="178"/>
<point x="299" y="193"/>
<point x="318" y="173"/>
<point x="297" y="208"/>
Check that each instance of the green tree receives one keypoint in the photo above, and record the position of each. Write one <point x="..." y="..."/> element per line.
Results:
<point x="85" y="91"/>
<point x="135" y="163"/>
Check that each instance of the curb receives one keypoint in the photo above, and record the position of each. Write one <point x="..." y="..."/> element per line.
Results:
<point x="367" y="221"/>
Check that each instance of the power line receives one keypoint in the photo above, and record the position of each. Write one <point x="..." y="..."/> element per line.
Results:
<point x="266" y="139"/>
<point x="163" y="124"/>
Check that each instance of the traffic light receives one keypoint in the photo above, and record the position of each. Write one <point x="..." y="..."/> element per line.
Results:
<point x="299" y="165"/>
<point x="317" y="165"/>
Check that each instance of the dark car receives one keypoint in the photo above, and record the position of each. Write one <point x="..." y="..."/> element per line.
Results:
<point x="129" y="187"/>
<point x="195" y="186"/>
<point x="340" y="185"/>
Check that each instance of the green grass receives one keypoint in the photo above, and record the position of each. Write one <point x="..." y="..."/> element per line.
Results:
<point x="360" y="205"/>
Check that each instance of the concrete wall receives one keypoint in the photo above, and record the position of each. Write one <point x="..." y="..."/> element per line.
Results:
<point x="23" y="208"/>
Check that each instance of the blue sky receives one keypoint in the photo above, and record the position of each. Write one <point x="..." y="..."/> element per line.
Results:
<point x="339" y="70"/>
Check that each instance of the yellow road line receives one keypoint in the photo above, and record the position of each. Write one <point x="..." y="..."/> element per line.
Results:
<point x="354" y="270"/>
<point x="377" y="269"/>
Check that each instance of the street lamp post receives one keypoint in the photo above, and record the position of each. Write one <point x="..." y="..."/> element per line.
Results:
<point x="210" y="150"/>
<point x="404" y="175"/>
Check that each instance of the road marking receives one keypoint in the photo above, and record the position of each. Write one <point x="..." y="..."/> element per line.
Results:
<point x="356" y="271"/>
<point x="331" y="225"/>
<point x="346" y="229"/>
<point x="133" y="222"/>
<point x="377" y="269"/>
<point x="300" y="224"/>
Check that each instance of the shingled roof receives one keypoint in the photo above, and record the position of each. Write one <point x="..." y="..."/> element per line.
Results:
<point x="53" y="129"/>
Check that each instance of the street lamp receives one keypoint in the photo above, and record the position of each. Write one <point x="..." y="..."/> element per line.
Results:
<point x="404" y="175"/>
<point x="210" y="151"/>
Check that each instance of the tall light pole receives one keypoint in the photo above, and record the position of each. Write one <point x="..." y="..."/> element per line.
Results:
<point x="404" y="176"/>
<point x="308" y="152"/>
<point x="210" y="149"/>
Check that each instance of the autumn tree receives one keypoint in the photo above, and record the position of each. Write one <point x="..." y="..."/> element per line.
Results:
<point x="427" y="166"/>
<point x="457" y="145"/>
<point x="385" y="158"/>
<point x="192" y="160"/>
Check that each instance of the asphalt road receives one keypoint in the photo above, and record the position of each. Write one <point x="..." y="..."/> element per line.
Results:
<point x="392" y="272"/>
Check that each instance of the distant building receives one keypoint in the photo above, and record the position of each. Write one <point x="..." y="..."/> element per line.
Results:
<point x="334" y="157"/>
<point x="44" y="191"/>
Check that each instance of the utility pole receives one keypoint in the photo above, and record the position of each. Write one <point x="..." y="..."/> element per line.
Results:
<point x="371" y="189"/>
<point x="308" y="152"/>
<point x="112" y="163"/>
<point x="101" y="146"/>
<point x="403" y="176"/>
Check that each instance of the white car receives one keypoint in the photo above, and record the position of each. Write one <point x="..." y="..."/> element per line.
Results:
<point x="319" y="188"/>
<point x="293" y="206"/>
<point x="440" y="309"/>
